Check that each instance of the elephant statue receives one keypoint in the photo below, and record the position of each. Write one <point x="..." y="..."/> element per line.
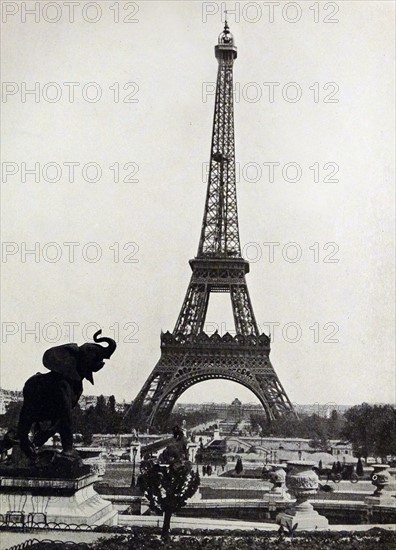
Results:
<point x="49" y="398"/>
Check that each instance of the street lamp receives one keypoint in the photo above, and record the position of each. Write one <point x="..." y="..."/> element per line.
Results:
<point x="134" y="453"/>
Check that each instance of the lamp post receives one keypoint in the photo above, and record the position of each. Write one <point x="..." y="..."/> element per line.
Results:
<point x="134" y="452"/>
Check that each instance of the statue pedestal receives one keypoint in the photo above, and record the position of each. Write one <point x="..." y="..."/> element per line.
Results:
<point x="54" y="500"/>
<point x="304" y="514"/>
<point x="303" y="482"/>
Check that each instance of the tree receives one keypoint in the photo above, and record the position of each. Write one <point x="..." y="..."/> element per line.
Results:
<point x="239" y="466"/>
<point x="100" y="406"/>
<point x="371" y="429"/>
<point x="111" y="404"/>
<point x="335" y="425"/>
<point x="102" y="418"/>
<point x="114" y="419"/>
<point x="319" y="443"/>
<point x="312" y="427"/>
<point x="167" y="488"/>
<point x="359" y="467"/>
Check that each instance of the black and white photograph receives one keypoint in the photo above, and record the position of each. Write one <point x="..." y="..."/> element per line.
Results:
<point x="197" y="275"/>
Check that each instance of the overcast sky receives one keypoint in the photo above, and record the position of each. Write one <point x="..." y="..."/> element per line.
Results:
<point x="143" y="95"/>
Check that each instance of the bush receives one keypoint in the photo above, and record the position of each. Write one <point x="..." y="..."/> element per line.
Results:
<point x="149" y="539"/>
<point x="145" y="539"/>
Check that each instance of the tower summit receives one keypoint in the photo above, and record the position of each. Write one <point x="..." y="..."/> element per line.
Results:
<point x="220" y="232"/>
<point x="188" y="354"/>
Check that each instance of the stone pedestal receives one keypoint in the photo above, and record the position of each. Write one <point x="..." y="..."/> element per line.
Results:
<point x="304" y="515"/>
<point x="51" y="500"/>
<point x="303" y="483"/>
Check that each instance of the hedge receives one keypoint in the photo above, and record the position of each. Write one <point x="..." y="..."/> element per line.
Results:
<point x="142" y="539"/>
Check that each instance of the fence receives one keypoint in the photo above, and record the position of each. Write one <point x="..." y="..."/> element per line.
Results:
<point x="31" y="542"/>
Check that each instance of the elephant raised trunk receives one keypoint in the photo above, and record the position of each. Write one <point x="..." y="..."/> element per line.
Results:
<point x="92" y="356"/>
<point x="111" y="344"/>
<point x="51" y="397"/>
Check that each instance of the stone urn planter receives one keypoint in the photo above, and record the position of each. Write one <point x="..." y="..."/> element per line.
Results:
<point x="384" y="487"/>
<point x="380" y="478"/>
<point x="278" y="479"/>
<point x="303" y="483"/>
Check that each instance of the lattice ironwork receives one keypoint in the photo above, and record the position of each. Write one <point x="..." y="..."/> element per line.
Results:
<point x="188" y="355"/>
<point x="216" y="275"/>
<point x="220" y="232"/>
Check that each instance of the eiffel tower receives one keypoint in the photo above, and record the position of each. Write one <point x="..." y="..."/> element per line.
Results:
<point x="188" y="354"/>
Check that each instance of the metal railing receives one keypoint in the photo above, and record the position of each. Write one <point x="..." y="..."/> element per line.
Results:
<point x="32" y="542"/>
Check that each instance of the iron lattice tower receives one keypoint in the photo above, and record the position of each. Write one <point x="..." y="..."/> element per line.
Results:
<point x="189" y="355"/>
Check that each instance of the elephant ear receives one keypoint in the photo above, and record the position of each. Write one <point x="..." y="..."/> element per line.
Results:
<point x="63" y="359"/>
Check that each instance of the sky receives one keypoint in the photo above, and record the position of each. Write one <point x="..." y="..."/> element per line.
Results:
<point x="119" y="131"/>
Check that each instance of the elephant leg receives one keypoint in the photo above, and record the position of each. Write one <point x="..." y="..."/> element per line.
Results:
<point x="65" y="428"/>
<point x="66" y="435"/>
<point x="42" y="436"/>
<point x="24" y="425"/>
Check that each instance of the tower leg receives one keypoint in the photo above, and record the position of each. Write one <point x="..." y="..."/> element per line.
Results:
<point x="193" y="312"/>
<point x="245" y="322"/>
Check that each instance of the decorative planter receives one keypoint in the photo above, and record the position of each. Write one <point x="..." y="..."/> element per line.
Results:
<point x="380" y="478"/>
<point x="384" y="486"/>
<point x="278" y="478"/>
<point x="303" y="482"/>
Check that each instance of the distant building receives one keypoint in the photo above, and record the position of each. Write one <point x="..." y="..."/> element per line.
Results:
<point x="7" y="397"/>
<point x="237" y="411"/>
<point x="234" y="412"/>
<point x="86" y="401"/>
<point x="341" y="448"/>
